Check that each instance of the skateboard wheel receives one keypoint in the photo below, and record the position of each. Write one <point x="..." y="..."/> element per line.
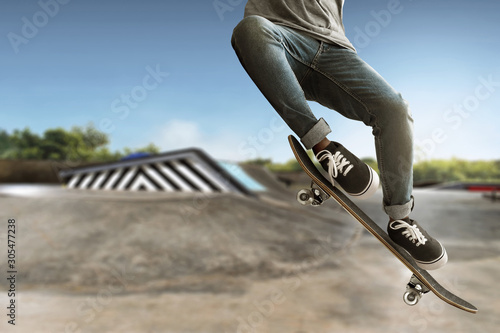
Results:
<point x="305" y="197"/>
<point x="412" y="296"/>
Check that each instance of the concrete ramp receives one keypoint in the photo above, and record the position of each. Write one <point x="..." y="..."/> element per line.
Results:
<point x="188" y="170"/>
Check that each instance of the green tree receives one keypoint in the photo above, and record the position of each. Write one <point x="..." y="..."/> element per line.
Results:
<point x="25" y="145"/>
<point x="456" y="170"/>
<point x="84" y="142"/>
<point x="56" y="144"/>
<point x="105" y="155"/>
<point x="80" y="144"/>
<point x="150" y="149"/>
<point x="5" y="144"/>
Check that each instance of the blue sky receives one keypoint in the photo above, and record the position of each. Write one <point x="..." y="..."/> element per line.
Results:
<point x="164" y="72"/>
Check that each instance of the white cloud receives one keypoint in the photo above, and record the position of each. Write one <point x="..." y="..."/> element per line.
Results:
<point x="270" y="141"/>
<point x="180" y="134"/>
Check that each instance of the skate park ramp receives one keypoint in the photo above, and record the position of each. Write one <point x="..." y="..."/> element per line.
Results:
<point x="187" y="170"/>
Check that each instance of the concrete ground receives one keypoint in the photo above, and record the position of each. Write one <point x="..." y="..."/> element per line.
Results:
<point x="239" y="265"/>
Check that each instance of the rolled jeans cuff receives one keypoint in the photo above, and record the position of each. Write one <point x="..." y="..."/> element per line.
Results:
<point x="317" y="133"/>
<point x="399" y="212"/>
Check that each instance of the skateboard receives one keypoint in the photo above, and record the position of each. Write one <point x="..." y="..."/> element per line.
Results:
<point x="421" y="282"/>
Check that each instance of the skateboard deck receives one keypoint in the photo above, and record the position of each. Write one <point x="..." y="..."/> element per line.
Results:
<point x="421" y="282"/>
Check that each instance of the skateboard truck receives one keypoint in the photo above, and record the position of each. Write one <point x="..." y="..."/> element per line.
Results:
<point x="313" y="196"/>
<point x="414" y="291"/>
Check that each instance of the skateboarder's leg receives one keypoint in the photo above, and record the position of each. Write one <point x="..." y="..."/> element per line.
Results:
<point x="276" y="59"/>
<point x="344" y="82"/>
<point x="289" y="68"/>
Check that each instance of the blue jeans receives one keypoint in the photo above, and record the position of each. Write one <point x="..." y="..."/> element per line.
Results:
<point x="290" y="67"/>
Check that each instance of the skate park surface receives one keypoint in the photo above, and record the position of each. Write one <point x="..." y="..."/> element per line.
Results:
<point x="92" y="261"/>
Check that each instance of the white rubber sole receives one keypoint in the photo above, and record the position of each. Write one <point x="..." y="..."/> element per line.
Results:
<point x="436" y="264"/>
<point x="371" y="188"/>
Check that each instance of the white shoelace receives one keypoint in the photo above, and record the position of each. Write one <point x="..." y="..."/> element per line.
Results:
<point x="412" y="232"/>
<point x="336" y="163"/>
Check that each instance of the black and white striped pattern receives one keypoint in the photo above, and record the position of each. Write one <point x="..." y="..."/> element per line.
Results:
<point x="183" y="171"/>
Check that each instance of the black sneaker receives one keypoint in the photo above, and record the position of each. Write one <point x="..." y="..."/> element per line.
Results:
<point x="347" y="171"/>
<point x="428" y="253"/>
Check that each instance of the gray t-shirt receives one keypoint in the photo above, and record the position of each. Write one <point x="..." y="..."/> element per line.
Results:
<point x="321" y="19"/>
